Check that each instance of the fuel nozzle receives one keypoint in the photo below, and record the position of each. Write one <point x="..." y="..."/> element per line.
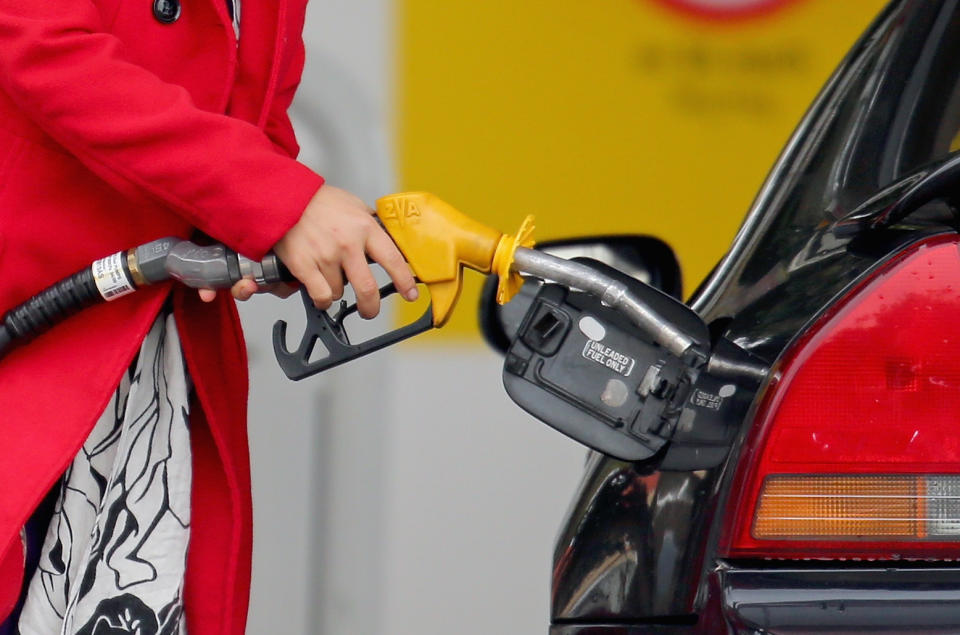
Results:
<point x="438" y="241"/>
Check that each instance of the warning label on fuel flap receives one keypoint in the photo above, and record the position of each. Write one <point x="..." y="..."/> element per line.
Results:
<point x="606" y="356"/>
<point x="706" y="400"/>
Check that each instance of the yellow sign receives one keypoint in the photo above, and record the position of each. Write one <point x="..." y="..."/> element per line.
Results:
<point x="657" y="117"/>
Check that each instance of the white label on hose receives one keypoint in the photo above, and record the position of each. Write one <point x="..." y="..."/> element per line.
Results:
<point x="111" y="279"/>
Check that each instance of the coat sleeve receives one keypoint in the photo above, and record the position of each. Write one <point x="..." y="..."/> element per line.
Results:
<point x="145" y="136"/>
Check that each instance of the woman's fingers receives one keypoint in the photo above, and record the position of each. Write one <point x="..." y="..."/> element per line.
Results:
<point x="280" y="289"/>
<point x="331" y="269"/>
<point x="242" y="290"/>
<point x="364" y="284"/>
<point x="317" y="287"/>
<point x="245" y="289"/>
<point x="383" y="251"/>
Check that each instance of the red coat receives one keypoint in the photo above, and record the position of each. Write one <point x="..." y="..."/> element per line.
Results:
<point x="112" y="133"/>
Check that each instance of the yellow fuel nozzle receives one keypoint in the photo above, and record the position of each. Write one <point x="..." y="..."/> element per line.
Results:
<point x="438" y="242"/>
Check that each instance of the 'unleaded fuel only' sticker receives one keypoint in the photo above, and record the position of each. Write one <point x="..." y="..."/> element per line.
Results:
<point x="614" y="360"/>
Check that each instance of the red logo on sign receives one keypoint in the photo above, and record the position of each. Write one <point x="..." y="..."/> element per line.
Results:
<point x="725" y="9"/>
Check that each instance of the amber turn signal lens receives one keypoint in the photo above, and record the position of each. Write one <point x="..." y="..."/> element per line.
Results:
<point x="859" y="507"/>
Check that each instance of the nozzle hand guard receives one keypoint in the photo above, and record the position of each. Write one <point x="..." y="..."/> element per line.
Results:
<point x="329" y="331"/>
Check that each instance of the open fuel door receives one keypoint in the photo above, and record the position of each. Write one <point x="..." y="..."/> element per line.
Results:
<point x="581" y="366"/>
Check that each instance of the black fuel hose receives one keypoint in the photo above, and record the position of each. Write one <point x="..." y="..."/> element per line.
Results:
<point x="49" y="307"/>
<point x="211" y="266"/>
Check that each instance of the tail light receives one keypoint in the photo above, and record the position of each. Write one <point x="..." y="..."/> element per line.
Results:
<point x="855" y="452"/>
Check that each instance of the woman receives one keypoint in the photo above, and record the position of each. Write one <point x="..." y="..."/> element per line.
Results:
<point x="122" y="121"/>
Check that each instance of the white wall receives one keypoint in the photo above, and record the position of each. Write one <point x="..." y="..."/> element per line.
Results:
<point x="474" y="498"/>
<point x="402" y="493"/>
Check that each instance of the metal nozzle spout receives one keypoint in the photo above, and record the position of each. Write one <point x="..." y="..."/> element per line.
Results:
<point x="613" y="293"/>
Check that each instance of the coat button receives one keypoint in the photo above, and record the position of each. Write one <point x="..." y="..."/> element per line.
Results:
<point x="166" y="11"/>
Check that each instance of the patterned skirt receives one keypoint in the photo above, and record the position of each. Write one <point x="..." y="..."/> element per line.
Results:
<point x="114" y="555"/>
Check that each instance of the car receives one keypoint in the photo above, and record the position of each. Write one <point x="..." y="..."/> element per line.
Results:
<point x="831" y="502"/>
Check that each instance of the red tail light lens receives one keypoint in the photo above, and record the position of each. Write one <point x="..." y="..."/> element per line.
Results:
<point x="856" y="449"/>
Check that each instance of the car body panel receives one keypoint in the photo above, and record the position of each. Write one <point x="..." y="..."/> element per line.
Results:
<point x="852" y="598"/>
<point x="637" y="549"/>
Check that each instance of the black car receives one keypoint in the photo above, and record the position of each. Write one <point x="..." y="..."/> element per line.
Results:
<point x="820" y="491"/>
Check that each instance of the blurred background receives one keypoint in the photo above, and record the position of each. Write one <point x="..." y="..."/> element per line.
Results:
<point x="404" y="493"/>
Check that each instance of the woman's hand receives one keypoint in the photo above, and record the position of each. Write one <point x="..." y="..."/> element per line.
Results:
<point x="332" y="240"/>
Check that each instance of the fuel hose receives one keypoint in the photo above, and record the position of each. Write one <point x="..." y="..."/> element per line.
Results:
<point x="107" y="279"/>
